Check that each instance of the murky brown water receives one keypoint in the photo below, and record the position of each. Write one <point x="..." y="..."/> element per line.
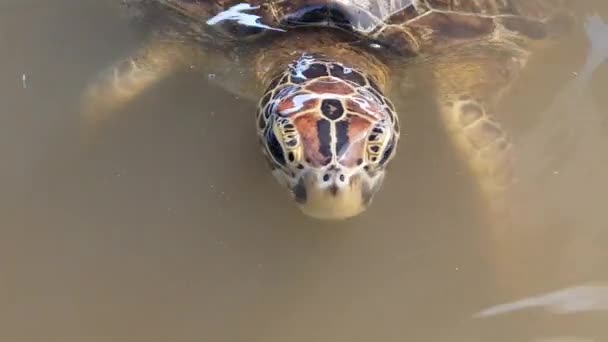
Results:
<point x="172" y="229"/>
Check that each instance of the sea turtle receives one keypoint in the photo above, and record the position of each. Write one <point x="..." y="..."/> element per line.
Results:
<point x="321" y="71"/>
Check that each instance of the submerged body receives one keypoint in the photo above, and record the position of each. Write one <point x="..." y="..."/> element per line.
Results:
<point x="322" y="72"/>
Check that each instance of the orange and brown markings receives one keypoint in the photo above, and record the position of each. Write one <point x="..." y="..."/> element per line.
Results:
<point x="351" y="139"/>
<point x="360" y="106"/>
<point x="334" y="130"/>
<point x="296" y="103"/>
<point x="330" y="86"/>
<point x="315" y="139"/>
<point x="324" y="112"/>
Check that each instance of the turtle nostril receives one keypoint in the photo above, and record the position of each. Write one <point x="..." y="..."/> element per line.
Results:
<point x="342" y="178"/>
<point x="326" y="177"/>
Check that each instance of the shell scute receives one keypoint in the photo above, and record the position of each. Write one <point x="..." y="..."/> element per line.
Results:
<point x="323" y="86"/>
<point x="404" y="15"/>
<point x="444" y="5"/>
<point x="341" y="72"/>
<point x="432" y="25"/>
<point x="296" y="103"/>
<point x="307" y="127"/>
<point x="442" y="27"/>
<point x="342" y="14"/>
<point x="315" y="70"/>
<point x="349" y="154"/>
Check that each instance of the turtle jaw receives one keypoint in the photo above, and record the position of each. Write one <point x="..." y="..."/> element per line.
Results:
<point x="336" y="198"/>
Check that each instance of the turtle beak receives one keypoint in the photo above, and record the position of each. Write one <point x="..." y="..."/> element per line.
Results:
<point x="335" y="198"/>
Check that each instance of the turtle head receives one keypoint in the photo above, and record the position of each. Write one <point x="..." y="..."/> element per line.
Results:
<point x="328" y="133"/>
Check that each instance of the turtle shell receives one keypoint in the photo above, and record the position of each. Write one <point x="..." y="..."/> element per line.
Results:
<point x="416" y="26"/>
<point x="405" y="26"/>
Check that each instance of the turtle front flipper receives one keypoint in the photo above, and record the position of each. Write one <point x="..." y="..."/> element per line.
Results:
<point x="467" y="89"/>
<point x="128" y="78"/>
<point x="468" y="86"/>
<point x="484" y="145"/>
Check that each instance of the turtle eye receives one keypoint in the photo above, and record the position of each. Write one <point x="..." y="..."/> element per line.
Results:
<point x="282" y="142"/>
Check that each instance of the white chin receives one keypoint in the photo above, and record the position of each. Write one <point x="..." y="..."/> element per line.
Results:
<point x="323" y="205"/>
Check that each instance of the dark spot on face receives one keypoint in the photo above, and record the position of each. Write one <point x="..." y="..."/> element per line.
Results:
<point x="342" y="137"/>
<point x="325" y="177"/>
<point x="315" y="70"/>
<point x="275" y="148"/>
<point x="299" y="192"/>
<point x="342" y="178"/>
<point x="348" y="74"/>
<point x="333" y="189"/>
<point x="332" y="109"/>
<point x="324" y="136"/>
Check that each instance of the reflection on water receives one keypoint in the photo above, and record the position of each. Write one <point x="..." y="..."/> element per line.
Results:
<point x="172" y="229"/>
<point x="570" y="300"/>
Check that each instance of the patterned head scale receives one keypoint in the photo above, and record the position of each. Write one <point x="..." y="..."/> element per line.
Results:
<point x="328" y="133"/>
